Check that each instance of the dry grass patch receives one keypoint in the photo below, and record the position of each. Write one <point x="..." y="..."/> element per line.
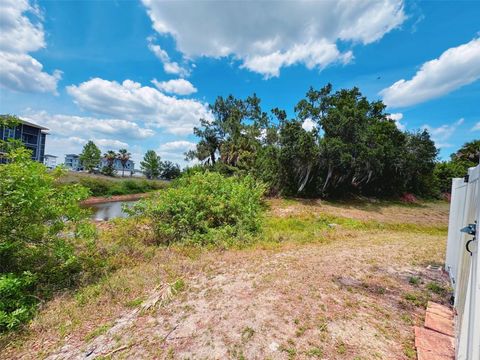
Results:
<point x="314" y="286"/>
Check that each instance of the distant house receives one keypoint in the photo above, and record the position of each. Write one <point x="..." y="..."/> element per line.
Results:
<point x="50" y="161"/>
<point x="31" y="135"/>
<point x="117" y="165"/>
<point x="72" y="162"/>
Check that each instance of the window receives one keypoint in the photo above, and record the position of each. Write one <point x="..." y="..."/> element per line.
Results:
<point x="9" y="133"/>
<point x="29" y="139"/>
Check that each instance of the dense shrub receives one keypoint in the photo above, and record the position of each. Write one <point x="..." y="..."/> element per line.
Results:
<point x="205" y="209"/>
<point x="36" y="257"/>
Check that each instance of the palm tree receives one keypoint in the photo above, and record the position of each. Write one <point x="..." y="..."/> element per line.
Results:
<point x="110" y="157"/>
<point x="123" y="156"/>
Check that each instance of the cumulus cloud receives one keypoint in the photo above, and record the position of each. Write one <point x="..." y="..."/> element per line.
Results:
<point x="130" y="100"/>
<point x="169" y="66"/>
<point x="266" y="36"/>
<point x="476" y="127"/>
<point x="456" y="67"/>
<point x="397" y="117"/>
<point x="175" y="151"/>
<point x="70" y="125"/>
<point x="178" y="86"/>
<point x="308" y="124"/>
<point x="177" y="145"/>
<point x="440" y="135"/>
<point x="20" y="36"/>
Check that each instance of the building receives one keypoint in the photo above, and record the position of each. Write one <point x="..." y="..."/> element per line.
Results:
<point x="31" y="135"/>
<point x="117" y="165"/>
<point x="72" y="162"/>
<point x="50" y="161"/>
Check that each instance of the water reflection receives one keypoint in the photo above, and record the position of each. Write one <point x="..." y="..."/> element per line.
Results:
<point x="110" y="210"/>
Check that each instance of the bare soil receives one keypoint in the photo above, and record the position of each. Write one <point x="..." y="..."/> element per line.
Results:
<point x="354" y="295"/>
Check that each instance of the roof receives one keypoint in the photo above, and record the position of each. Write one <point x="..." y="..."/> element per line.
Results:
<point x="33" y="125"/>
<point x="48" y="155"/>
<point x="75" y="155"/>
<point x="29" y="123"/>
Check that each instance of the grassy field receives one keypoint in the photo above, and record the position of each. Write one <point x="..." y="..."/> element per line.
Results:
<point x="325" y="280"/>
<point x="101" y="185"/>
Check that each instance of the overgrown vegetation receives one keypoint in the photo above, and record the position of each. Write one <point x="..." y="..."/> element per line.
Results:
<point x="338" y="143"/>
<point x="106" y="187"/>
<point x="36" y="252"/>
<point x="206" y="208"/>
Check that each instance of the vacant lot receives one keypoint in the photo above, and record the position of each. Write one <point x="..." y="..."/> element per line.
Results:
<point x="325" y="280"/>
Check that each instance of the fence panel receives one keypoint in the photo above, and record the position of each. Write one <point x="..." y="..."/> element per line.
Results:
<point x="462" y="263"/>
<point x="459" y="193"/>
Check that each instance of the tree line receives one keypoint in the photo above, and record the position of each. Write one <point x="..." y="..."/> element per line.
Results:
<point x="152" y="165"/>
<point x="352" y="148"/>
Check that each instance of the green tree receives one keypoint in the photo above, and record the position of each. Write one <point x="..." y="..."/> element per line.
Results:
<point x="110" y="157"/>
<point x="419" y="163"/>
<point x="90" y="156"/>
<point x="354" y="148"/>
<point x="124" y="157"/>
<point x="445" y="171"/>
<point x="360" y="148"/>
<point x="170" y="170"/>
<point x="233" y="135"/>
<point x="151" y="165"/>
<point x="468" y="154"/>
<point x="298" y="159"/>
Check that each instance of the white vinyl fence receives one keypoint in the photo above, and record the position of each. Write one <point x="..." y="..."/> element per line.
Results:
<point x="462" y="263"/>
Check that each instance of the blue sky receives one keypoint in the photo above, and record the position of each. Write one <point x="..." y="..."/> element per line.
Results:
<point x="139" y="74"/>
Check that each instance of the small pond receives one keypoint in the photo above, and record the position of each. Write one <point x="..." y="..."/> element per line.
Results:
<point x="110" y="210"/>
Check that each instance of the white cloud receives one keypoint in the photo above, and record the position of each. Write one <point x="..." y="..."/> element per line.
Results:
<point x="169" y="66"/>
<point x="70" y="125"/>
<point x="110" y="143"/>
<point x="130" y="100"/>
<point x="397" y="117"/>
<point x="266" y="36"/>
<point x="308" y="124"/>
<point x="20" y="36"/>
<point x="476" y="127"/>
<point x="440" y="135"/>
<point x="175" y="151"/>
<point x="178" y="86"/>
<point x="177" y="145"/>
<point x="455" y="68"/>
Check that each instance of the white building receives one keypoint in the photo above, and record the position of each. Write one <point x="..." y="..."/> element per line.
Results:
<point x="72" y="162"/>
<point x="50" y="161"/>
<point x="118" y="166"/>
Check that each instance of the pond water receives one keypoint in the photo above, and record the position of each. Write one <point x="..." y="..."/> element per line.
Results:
<point x="110" y="210"/>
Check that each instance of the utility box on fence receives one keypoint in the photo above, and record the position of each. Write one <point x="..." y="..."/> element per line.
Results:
<point x="462" y="263"/>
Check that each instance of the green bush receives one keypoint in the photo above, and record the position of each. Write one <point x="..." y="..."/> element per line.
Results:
<point x="205" y="209"/>
<point x="36" y="256"/>
<point x="97" y="187"/>
<point x="16" y="305"/>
